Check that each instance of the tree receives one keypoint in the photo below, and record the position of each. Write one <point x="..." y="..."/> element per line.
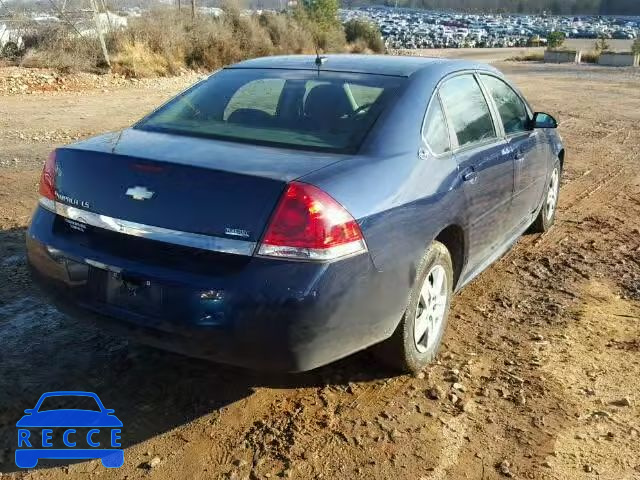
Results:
<point x="636" y="46"/>
<point x="322" y="12"/>
<point x="556" y="7"/>
<point x="556" y="39"/>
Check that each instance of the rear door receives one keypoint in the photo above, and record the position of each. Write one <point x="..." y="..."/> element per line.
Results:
<point x="485" y="171"/>
<point x="529" y="163"/>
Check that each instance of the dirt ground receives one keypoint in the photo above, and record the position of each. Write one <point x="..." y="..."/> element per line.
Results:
<point x="537" y="377"/>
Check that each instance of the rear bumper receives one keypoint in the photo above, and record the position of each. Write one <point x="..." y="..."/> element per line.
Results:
<point x="263" y="314"/>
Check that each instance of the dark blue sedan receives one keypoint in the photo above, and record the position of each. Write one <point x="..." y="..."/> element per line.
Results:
<point x="289" y="211"/>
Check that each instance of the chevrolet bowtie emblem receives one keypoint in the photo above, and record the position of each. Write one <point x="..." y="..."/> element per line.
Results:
<point x="139" y="193"/>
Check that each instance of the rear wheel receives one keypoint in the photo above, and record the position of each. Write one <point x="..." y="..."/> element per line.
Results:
<point x="547" y="215"/>
<point x="417" y="338"/>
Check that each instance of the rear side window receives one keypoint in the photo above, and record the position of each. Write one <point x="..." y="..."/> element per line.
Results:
<point x="513" y="112"/>
<point x="435" y="129"/>
<point x="260" y="95"/>
<point x="364" y="95"/>
<point x="467" y="110"/>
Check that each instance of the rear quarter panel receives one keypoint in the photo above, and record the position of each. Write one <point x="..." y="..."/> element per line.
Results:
<point x="400" y="200"/>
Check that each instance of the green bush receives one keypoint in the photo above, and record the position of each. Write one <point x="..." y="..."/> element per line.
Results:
<point x="326" y="32"/>
<point x="365" y="32"/>
<point x="555" y="40"/>
<point x="324" y="13"/>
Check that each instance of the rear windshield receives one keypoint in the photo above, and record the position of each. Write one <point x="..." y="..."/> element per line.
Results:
<point x="305" y="109"/>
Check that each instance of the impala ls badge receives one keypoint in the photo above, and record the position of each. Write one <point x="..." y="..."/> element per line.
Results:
<point x="139" y="193"/>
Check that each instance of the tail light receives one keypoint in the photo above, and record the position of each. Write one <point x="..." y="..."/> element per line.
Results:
<point x="48" y="182"/>
<point x="309" y="224"/>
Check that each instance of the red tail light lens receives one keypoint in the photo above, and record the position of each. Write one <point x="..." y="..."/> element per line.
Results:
<point x="48" y="178"/>
<point x="309" y="224"/>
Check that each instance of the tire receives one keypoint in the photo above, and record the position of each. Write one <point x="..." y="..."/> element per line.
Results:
<point x="402" y="350"/>
<point x="547" y="215"/>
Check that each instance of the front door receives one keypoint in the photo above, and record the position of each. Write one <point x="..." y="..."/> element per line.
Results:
<point x="485" y="168"/>
<point x="529" y="180"/>
<point x="523" y="146"/>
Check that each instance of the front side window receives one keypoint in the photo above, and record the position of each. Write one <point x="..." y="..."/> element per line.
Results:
<point x="435" y="129"/>
<point x="467" y="110"/>
<point x="513" y="112"/>
<point x="307" y="109"/>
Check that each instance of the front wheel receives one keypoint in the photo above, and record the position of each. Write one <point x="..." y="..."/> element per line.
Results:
<point x="417" y="338"/>
<point x="547" y="215"/>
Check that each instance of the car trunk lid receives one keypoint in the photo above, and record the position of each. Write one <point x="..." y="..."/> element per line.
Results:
<point x="178" y="183"/>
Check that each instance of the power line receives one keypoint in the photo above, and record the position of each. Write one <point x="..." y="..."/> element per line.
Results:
<point x="63" y="17"/>
<point x="5" y="7"/>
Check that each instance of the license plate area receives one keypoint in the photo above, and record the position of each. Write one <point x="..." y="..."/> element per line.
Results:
<point x="136" y="294"/>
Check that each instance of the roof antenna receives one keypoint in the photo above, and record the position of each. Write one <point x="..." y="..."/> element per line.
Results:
<point x="319" y="60"/>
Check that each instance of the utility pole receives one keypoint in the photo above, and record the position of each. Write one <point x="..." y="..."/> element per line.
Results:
<point x="193" y="10"/>
<point x="96" y="17"/>
<point x="179" y="5"/>
<point x="106" y="12"/>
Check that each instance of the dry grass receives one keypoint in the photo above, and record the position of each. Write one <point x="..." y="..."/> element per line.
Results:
<point x="62" y="48"/>
<point x="163" y="43"/>
<point x="136" y="59"/>
<point x="529" y="57"/>
<point x="590" y="57"/>
<point x="364" y="36"/>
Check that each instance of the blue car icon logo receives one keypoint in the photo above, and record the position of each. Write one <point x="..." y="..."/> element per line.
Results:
<point x="69" y="433"/>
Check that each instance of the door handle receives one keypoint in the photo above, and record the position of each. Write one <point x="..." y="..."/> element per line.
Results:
<point x="470" y="176"/>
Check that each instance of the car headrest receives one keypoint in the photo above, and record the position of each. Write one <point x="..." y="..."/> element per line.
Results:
<point x="327" y="103"/>
<point x="250" y="117"/>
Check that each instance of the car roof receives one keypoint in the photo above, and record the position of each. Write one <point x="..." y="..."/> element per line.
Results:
<point x="401" y="66"/>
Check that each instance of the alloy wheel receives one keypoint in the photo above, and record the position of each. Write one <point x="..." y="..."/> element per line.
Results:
<point x="431" y="309"/>
<point x="552" y="194"/>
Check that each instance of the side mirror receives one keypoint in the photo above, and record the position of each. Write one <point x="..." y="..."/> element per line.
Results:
<point x="109" y="411"/>
<point x="29" y="411"/>
<point x="543" y="120"/>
